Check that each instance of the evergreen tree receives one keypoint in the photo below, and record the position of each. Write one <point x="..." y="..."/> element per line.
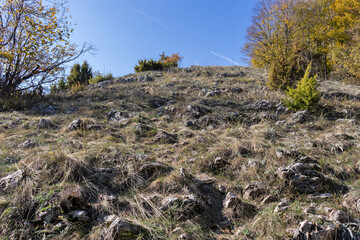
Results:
<point x="62" y="84"/>
<point x="75" y="75"/>
<point x="86" y="73"/>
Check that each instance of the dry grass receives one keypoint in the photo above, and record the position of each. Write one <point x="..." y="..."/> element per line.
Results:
<point x="87" y="166"/>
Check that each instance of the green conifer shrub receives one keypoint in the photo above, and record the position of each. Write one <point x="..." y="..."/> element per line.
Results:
<point x="305" y="96"/>
<point x="165" y="62"/>
<point x="98" y="77"/>
<point x="75" y="75"/>
<point x="86" y="73"/>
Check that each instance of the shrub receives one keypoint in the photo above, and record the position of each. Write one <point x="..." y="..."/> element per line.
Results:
<point x="305" y="96"/>
<point x="165" y="62"/>
<point x="19" y="101"/>
<point x="100" y="77"/>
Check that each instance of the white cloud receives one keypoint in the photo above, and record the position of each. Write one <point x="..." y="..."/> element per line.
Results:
<point x="149" y="17"/>
<point x="225" y="58"/>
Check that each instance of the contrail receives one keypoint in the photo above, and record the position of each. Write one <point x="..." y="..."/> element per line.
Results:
<point x="225" y="58"/>
<point x="149" y="17"/>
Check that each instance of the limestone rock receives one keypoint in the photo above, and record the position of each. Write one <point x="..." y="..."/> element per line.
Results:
<point x="75" y="125"/>
<point x="45" y="123"/>
<point x="165" y="138"/>
<point x="11" y="180"/>
<point x="254" y="191"/>
<point x="28" y="144"/>
<point x="300" y="117"/>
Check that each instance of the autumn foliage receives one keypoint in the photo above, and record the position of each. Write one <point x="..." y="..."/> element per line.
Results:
<point x="34" y="43"/>
<point x="286" y="35"/>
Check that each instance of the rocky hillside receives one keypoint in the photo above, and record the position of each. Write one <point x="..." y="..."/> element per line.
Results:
<point x="195" y="153"/>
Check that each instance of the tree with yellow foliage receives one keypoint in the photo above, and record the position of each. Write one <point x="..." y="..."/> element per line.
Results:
<point x="34" y="43"/>
<point x="287" y="35"/>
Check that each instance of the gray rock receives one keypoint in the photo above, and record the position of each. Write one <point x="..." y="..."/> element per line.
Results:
<point x="227" y="75"/>
<point x="234" y="90"/>
<point x="75" y="125"/>
<point x="93" y="127"/>
<point x="165" y="138"/>
<point x="311" y="209"/>
<point x="348" y="121"/>
<point x="189" y="206"/>
<point x="230" y="200"/>
<point x="263" y="105"/>
<point x="196" y="111"/>
<point x="306" y="227"/>
<point x="11" y="180"/>
<point x="254" y="191"/>
<point x="300" y="117"/>
<point x="339" y="216"/>
<point x="79" y="215"/>
<point x="142" y="130"/>
<point x="10" y="160"/>
<point x="351" y="200"/>
<point x="269" y="199"/>
<point x="146" y="78"/>
<point x="282" y="206"/>
<point x="268" y="116"/>
<point x="185" y="236"/>
<point x="45" y="123"/>
<point x="46" y="109"/>
<point x="307" y="179"/>
<point x="121" y="228"/>
<point x="28" y="144"/>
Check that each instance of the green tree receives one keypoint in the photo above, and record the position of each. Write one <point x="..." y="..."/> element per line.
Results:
<point x="287" y="35"/>
<point x="62" y="84"/>
<point x="75" y="75"/>
<point x="305" y="96"/>
<point x="34" y="43"/>
<point x="86" y="73"/>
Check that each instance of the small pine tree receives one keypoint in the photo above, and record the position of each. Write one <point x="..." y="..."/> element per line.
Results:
<point x="86" y="73"/>
<point x="62" y="84"/>
<point x="53" y="89"/>
<point x="75" y="75"/>
<point x="305" y="96"/>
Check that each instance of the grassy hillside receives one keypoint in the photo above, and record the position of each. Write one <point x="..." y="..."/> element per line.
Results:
<point x="195" y="153"/>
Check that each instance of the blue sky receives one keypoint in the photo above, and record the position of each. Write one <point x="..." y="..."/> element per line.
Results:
<point x="204" y="32"/>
